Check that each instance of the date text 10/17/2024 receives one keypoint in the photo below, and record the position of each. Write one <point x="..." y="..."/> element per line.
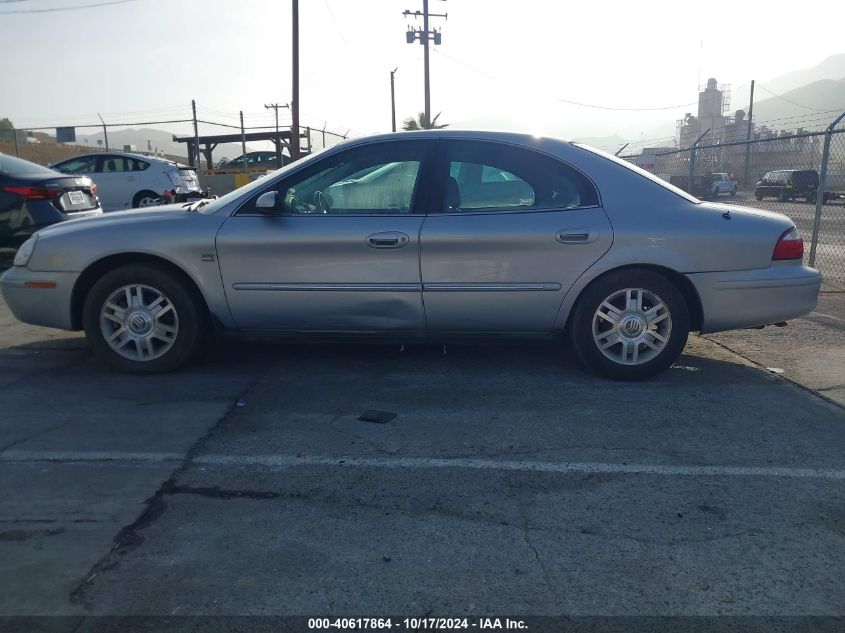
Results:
<point x="417" y="624"/>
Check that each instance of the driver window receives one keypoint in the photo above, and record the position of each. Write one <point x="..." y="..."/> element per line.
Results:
<point x="377" y="179"/>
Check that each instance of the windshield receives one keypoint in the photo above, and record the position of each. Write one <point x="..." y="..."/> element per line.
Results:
<point x="641" y="172"/>
<point x="261" y="182"/>
<point x="11" y="166"/>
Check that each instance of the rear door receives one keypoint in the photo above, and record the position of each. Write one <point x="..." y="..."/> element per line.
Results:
<point x="341" y="253"/>
<point x="114" y="187"/>
<point x="516" y="228"/>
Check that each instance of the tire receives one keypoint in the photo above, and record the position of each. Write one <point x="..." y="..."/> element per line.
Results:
<point x="784" y="196"/>
<point x="166" y="323"/>
<point x="759" y="196"/>
<point x="811" y="197"/>
<point x="145" y="199"/>
<point x="633" y="328"/>
<point x="733" y="192"/>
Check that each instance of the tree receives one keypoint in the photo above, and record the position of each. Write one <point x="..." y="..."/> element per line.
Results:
<point x="7" y="130"/>
<point x="421" y="124"/>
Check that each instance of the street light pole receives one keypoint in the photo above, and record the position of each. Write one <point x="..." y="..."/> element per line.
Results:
<point x="393" y="99"/>
<point x="294" y="104"/>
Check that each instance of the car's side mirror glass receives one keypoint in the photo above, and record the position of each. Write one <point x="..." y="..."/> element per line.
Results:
<point x="267" y="202"/>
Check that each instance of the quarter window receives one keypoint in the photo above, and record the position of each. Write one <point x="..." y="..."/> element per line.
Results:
<point x="493" y="177"/>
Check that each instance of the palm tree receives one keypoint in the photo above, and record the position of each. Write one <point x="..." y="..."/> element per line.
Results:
<point x="421" y="124"/>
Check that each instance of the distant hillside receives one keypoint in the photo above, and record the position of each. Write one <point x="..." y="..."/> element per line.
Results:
<point x="831" y="68"/>
<point x="805" y="103"/>
<point x="46" y="151"/>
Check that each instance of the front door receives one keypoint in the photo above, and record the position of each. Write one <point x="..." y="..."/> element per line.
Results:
<point x="514" y="232"/>
<point x="341" y="253"/>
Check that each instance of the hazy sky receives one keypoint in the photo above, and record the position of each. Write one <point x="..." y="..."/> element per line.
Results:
<point x="501" y="64"/>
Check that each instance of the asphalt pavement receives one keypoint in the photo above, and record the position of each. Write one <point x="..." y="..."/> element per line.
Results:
<point x="508" y="481"/>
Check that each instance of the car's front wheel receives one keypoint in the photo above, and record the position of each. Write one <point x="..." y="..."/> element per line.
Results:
<point x="630" y="325"/>
<point x="142" y="319"/>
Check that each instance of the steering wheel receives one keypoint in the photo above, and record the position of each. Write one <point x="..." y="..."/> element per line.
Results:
<point x="321" y="200"/>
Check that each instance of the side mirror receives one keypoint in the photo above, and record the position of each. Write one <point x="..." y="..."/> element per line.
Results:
<point x="266" y="202"/>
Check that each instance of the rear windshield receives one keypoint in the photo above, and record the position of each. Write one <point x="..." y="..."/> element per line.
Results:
<point x="10" y="166"/>
<point x="641" y="172"/>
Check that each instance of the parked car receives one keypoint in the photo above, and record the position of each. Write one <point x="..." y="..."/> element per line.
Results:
<point x="719" y="183"/>
<point x="33" y="196"/>
<point x="788" y="184"/>
<point x="423" y="235"/>
<point x="251" y="161"/>
<point x="126" y="180"/>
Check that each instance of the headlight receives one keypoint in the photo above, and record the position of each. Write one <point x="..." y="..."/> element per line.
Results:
<point x="25" y="251"/>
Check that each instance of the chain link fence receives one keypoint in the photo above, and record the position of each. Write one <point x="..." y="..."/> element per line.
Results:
<point x="783" y="173"/>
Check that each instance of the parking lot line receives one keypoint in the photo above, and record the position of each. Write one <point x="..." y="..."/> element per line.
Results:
<point x="430" y="463"/>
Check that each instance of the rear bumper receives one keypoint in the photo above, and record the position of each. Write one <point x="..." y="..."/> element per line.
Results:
<point x="49" y="307"/>
<point x="748" y="298"/>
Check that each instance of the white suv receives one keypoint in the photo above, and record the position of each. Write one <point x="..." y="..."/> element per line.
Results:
<point x="126" y="181"/>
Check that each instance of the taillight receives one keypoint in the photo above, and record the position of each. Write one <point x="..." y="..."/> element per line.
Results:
<point x="789" y="246"/>
<point x="35" y="193"/>
<point x="93" y="189"/>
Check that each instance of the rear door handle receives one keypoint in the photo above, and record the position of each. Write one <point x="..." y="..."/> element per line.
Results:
<point x="577" y="236"/>
<point x="388" y="239"/>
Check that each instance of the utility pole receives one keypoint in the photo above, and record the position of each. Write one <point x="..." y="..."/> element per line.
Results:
<point x="424" y="35"/>
<point x="294" y="102"/>
<point x="748" y="138"/>
<point x="393" y="99"/>
<point x="106" y="132"/>
<point x="278" y="143"/>
<point x="196" y="138"/>
<point x="243" y="140"/>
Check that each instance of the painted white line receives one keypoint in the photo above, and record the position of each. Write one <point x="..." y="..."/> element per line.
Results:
<point x="826" y="316"/>
<point x="87" y="456"/>
<point x="283" y="461"/>
<point x="289" y="461"/>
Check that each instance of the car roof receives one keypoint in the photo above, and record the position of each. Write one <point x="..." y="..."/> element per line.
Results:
<point x="109" y="152"/>
<point x="482" y="135"/>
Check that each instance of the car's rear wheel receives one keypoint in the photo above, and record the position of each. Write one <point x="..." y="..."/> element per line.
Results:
<point x="142" y="319"/>
<point x="146" y="199"/>
<point x="630" y="325"/>
<point x="759" y="196"/>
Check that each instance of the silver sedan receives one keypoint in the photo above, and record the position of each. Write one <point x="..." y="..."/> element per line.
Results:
<point x="422" y="235"/>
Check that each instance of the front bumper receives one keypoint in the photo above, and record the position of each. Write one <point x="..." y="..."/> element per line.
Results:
<point x="50" y="307"/>
<point x="750" y="298"/>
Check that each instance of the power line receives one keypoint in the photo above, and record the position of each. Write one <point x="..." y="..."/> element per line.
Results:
<point x="788" y="100"/>
<point x="561" y="99"/>
<point x="71" y="8"/>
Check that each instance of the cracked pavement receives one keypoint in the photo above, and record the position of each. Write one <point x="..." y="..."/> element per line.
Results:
<point x="509" y="482"/>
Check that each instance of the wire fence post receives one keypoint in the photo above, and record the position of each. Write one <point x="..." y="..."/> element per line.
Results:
<point x="820" y="192"/>
<point x="17" y="147"/>
<point x="693" y="148"/>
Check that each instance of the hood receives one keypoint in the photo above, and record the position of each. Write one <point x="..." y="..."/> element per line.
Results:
<point x="107" y="220"/>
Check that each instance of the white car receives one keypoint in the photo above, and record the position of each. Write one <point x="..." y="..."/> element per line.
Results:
<point x="126" y="181"/>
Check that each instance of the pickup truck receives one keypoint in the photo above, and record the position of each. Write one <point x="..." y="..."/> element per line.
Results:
<point x="705" y="187"/>
<point x="719" y="183"/>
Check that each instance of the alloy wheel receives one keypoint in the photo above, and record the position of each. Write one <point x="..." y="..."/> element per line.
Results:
<point x="139" y="322"/>
<point x="632" y="326"/>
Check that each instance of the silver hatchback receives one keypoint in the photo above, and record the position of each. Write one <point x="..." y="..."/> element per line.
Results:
<point x="423" y="235"/>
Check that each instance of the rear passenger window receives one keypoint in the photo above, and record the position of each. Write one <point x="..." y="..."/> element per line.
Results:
<point x="492" y="177"/>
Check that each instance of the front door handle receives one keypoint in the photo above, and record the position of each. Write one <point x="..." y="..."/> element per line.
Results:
<point x="577" y="236"/>
<point x="388" y="239"/>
